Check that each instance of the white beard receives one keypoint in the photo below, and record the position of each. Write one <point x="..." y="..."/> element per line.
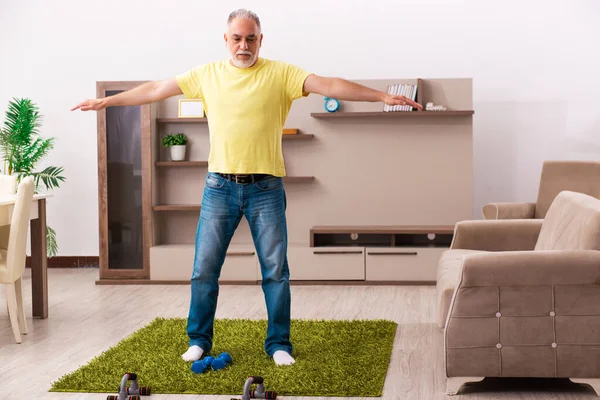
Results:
<point x="244" y="64"/>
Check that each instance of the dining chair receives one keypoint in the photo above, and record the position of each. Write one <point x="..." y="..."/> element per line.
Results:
<point x="13" y="255"/>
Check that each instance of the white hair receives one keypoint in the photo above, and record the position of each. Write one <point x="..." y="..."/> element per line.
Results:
<point x="243" y="13"/>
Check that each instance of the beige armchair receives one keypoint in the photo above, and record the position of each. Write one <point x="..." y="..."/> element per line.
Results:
<point x="521" y="298"/>
<point x="576" y="176"/>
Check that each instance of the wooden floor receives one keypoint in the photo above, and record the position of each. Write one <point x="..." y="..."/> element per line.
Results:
<point x="86" y="319"/>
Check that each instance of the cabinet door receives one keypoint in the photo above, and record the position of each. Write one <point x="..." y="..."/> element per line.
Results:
<point x="326" y="263"/>
<point x="123" y="190"/>
<point x="406" y="264"/>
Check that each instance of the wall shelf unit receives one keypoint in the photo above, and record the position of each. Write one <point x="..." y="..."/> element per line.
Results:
<point x="181" y="120"/>
<point x="372" y="196"/>
<point x="299" y="136"/>
<point x="181" y="163"/>
<point x="393" y="114"/>
<point x="176" y="207"/>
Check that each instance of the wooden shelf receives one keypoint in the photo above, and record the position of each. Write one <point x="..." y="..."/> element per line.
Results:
<point x="298" y="179"/>
<point x="288" y="133"/>
<point x="181" y="120"/>
<point x="384" y="229"/>
<point x="176" y="207"/>
<point x="395" y="114"/>
<point x="196" y="207"/>
<point x="181" y="163"/>
<point x="299" y="136"/>
<point x="381" y="236"/>
<point x="288" y="179"/>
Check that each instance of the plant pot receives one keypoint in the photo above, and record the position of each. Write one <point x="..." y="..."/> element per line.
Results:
<point x="178" y="152"/>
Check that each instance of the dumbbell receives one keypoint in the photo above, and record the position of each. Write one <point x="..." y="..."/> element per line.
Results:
<point x="216" y="364"/>
<point x="200" y="366"/>
<point x="130" y="392"/>
<point x="221" y="361"/>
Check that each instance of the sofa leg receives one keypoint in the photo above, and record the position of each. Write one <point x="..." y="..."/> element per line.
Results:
<point x="593" y="382"/>
<point x="454" y="383"/>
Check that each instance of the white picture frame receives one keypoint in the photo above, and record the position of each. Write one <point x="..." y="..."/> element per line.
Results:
<point x="191" y="108"/>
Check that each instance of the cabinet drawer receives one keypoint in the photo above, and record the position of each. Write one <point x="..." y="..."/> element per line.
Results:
<point x="403" y="264"/>
<point x="240" y="265"/>
<point x="176" y="262"/>
<point x="326" y="263"/>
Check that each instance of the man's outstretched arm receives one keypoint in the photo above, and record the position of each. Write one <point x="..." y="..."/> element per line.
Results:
<point x="342" y="89"/>
<point x="146" y="93"/>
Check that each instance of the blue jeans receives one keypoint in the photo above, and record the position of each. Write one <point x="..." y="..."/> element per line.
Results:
<point x="263" y="203"/>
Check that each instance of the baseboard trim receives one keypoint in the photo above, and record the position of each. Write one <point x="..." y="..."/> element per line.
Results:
<point x="69" y="262"/>
<point x="247" y="283"/>
<point x="93" y="262"/>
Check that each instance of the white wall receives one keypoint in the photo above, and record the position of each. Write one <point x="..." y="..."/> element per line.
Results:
<point x="535" y="66"/>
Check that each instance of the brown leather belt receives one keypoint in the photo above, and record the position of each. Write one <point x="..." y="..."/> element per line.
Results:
<point x="246" y="178"/>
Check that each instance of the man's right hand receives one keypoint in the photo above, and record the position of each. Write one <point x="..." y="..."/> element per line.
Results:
<point x="92" y="104"/>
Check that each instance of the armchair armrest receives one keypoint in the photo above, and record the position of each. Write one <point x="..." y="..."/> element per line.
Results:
<point x="508" y="210"/>
<point x="532" y="268"/>
<point x="497" y="235"/>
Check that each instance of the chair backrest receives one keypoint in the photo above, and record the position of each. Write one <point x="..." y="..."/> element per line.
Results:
<point x="8" y="184"/>
<point x="19" y="227"/>
<point x="8" y="187"/>
<point x="572" y="223"/>
<point x="577" y="176"/>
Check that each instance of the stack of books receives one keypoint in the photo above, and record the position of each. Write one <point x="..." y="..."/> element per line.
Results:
<point x="401" y="89"/>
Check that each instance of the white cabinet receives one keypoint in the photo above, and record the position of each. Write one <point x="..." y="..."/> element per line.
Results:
<point x="326" y="263"/>
<point x="406" y="264"/>
<point x="175" y="263"/>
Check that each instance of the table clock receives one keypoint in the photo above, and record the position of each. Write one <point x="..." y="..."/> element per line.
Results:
<point x="331" y="105"/>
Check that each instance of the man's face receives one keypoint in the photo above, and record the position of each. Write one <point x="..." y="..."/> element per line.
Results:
<point x="243" y="39"/>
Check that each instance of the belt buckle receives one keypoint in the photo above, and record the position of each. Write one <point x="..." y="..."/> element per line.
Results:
<point x="242" y="180"/>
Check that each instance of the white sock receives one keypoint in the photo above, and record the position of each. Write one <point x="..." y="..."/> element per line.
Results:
<point x="193" y="353"/>
<point x="282" y="358"/>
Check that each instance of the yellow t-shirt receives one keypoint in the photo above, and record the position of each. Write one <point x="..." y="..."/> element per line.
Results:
<point x="246" y="110"/>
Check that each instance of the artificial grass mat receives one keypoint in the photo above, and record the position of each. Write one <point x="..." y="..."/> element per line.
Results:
<point x="333" y="358"/>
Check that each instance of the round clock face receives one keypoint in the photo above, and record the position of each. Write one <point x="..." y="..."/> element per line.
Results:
<point x="331" y="105"/>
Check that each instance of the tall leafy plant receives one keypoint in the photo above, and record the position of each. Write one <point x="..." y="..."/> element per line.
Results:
<point x="22" y="149"/>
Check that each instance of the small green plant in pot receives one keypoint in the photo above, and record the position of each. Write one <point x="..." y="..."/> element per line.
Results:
<point x="177" y="143"/>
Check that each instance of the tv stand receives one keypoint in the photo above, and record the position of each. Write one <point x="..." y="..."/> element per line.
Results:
<point x="391" y="254"/>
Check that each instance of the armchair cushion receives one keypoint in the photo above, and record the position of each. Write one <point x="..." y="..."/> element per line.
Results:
<point x="572" y="223"/>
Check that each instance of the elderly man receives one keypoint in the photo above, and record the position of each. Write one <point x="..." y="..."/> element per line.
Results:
<point x="247" y="99"/>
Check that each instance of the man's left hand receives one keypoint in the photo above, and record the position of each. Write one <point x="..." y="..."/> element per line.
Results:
<point x="393" y="100"/>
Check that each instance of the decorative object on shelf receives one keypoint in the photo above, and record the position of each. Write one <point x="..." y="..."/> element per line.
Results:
<point x="434" y="107"/>
<point x="178" y="143"/>
<point x="331" y="104"/>
<point x="22" y="149"/>
<point x="191" y="108"/>
<point x="290" y="131"/>
<point x="401" y="89"/>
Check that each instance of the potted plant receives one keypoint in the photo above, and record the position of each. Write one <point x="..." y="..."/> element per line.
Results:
<point x="177" y="143"/>
<point x="22" y="149"/>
